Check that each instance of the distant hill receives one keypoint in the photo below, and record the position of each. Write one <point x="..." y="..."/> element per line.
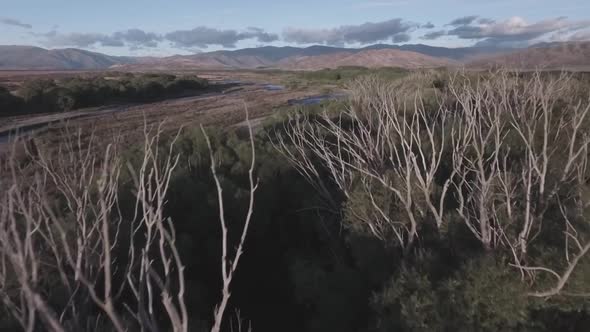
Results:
<point x="36" y="58"/>
<point x="366" y="58"/>
<point x="459" y="53"/>
<point x="273" y="53"/>
<point x="544" y="56"/>
<point x="311" y="58"/>
<point x="555" y="55"/>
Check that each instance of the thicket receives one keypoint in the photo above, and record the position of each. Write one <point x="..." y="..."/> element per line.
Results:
<point x="344" y="75"/>
<point x="9" y="103"/>
<point x="436" y="203"/>
<point x="49" y="95"/>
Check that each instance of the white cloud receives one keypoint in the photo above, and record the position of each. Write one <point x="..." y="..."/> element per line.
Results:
<point x="205" y="36"/>
<point x="395" y="30"/>
<point x="514" y="31"/>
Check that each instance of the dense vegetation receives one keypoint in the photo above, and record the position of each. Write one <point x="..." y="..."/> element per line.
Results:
<point x="49" y="95"/>
<point x="342" y="75"/>
<point x="9" y="103"/>
<point x="436" y="203"/>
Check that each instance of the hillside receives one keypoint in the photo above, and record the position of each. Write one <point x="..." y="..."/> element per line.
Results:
<point x="198" y="61"/>
<point x="549" y="55"/>
<point x="36" y="58"/>
<point x="544" y="56"/>
<point x="459" y="53"/>
<point x="311" y="58"/>
<point x="366" y="58"/>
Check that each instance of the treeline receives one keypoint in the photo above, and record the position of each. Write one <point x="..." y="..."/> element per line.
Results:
<point x="343" y="75"/>
<point x="49" y="95"/>
<point x="350" y="72"/>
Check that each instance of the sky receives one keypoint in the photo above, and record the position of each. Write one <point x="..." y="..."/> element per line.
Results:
<point x="161" y="28"/>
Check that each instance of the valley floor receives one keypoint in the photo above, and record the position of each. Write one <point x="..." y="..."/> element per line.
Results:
<point x="261" y="93"/>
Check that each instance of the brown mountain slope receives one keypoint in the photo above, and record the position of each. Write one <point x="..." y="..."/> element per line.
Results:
<point x="553" y="56"/>
<point x="202" y="61"/>
<point x="368" y="58"/>
<point x="28" y="57"/>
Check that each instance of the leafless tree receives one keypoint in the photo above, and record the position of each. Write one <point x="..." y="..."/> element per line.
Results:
<point x="517" y="146"/>
<point x="62" y="232"/>
<point x="229" y="265"/>
<point x="379" y="141"/>
<point x="36" y="238"/>
<point x="476" y="157"/>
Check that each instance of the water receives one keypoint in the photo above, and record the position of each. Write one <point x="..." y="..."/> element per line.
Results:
<point x="231" y="82"/>
<point x="23" y="131"/>
<point x="314" y="100"/>
<point x="274" y="87"/>
<point x="9" y="136"/>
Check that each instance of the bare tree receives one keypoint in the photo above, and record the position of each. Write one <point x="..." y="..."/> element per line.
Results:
<point x="572" y="257"/>
<point x="61" y="227"/>
<point x="77" y="244"/>
<point x="547" y="127"/>
<point x="476" y="158"/>
<point x="158" y="259"/>
<point x="229" y="265"/>
<point x="378" y="141"/>
<point x="517" y="147"/>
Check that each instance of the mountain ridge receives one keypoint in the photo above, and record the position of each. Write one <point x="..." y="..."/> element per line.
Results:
<point x="367" y="58"/>
<point x="541" y="56"/>
<point x="16" y="57"/>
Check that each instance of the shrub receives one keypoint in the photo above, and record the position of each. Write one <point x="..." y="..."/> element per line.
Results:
<point x="52" y="96"/>
<point x="9" y="103"/>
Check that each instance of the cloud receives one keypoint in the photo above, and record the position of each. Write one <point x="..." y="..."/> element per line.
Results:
<point x="395" y="30"/>
<point x="401" y="38"/>
<point x="204" y="37"/>
<point x="260" y="35"/>
<point x="512" y="32"/>
<point x="485" y="21"/>
<point x="16" y="23"/>
<point x="463" y="20"/>
<point x="428" y="25"/>
<point x="138" y="38"/>
<point x="434" y="35"/>
<point x="53" y="38"/>
<point x="516" y="30"/>
<point x="134" y="38"/>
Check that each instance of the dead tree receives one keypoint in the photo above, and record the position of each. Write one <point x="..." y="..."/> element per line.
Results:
<point x="379" y="141"/>
<point x="60" y="219"/>
<point x="229" y="265"/>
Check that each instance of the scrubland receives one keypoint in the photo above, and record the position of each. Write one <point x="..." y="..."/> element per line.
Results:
<point x="425" y="201"/>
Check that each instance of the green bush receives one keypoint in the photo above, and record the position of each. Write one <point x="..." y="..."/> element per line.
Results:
<point x="78" y="92"/>
<point x="9" y="103"/>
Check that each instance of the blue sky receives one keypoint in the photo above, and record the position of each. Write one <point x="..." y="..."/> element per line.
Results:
<point x="158" y="27"/>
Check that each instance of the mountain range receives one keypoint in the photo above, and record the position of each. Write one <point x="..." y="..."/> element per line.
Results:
<point x="36" y="58"/>
<point x="547" y="55"/>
